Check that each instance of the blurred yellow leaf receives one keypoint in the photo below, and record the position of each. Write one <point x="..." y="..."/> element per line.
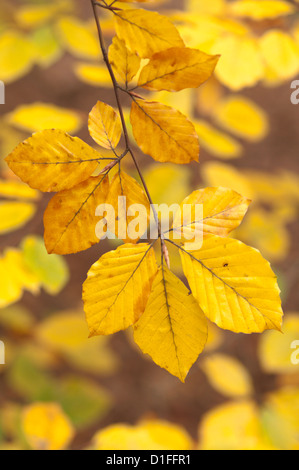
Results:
<point x="146" y="32"/>
<point x="93" y="74"/>
<point x="39" y="116"/>
<point x="16" y="56"/>
<point x="233" y="426"/>
<point x="173" y="329"/>
<point x="280" y="53"/>
<point x="261" y="9"/>
<point x="14" y="215"/>
<point x="67" y="333"/>
<point x="220" y="174"/>
<point x="241" y="64"/>
<point x="275" y="351"/>
<point x="78" y="38"/>
<point x="104" y="126"/>
<point x="280" y="415"/>
<point x="227" y="375"/>
<point x="46" y="427"/>
<point x="148" y="435"/>
<point x="216" y="142"/>
<point x="242" y="117"/>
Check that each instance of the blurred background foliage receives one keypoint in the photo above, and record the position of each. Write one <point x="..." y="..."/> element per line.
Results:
<point x="60" y="389"/>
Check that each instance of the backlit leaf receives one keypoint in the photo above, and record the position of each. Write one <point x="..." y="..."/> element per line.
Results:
<point x="104" y="125"/>
<point x="234" y="285"/>
<point x="125" y="63"/>
<point x="164" y="133"/>
<point x="70" y="220"/>
<point x="117" y="288"/>
<point x="53" y="161"/>
<point x="173" y="329"/>
<point x="146" y="32"/>
<point x="176" y="69"/>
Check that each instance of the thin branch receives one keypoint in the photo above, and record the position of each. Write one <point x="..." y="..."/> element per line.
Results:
<point x="129" y="149"/>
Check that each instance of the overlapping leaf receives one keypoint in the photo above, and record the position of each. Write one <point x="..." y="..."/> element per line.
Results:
<point x="124" y="62"/>
<point x="176" y="69"/>
<point x="146" y="32"/>
<point x="173" y="329"/>
<point x="52" y="160"/>
<point x="164" y="133"/>
<point x="117" y="288"/>
<point x="105" y="126"/>
<point x="69" y="219"/>
<point x="234" y="285"/>
<point x="222" y="211"/>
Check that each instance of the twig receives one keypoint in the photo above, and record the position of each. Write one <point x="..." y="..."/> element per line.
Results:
<point x="129" y="149"/>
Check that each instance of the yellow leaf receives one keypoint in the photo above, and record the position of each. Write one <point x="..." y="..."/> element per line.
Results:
<point x="264" y="230"/>
<point x="281" y="54"/>
<point x="234" y="285"/>
<point x="70" y="220"/>
<point x="164" y="133"/>
<point x="220" y="174"/>
<point x="47" y="47"/>
<point x="14" y="215"/>
<point x="176" y="69"/>
<point x="173" y="329"/>
<point x="66" y="333"/>
<point x="125" y="63"/>
<point x="78" y="38"/>
<point x="17" y="190"/>
<point x="222" y="211"/>
<point x="233" y="426"/>
<point x="46" y="427"/>
<point x="124" y="186"/>
<point x="242" y="117"/>
<point x="275" y="351"/>
<point x="39" y="116"/>
<point x="204" y="7"/>
<point x="16" y="56"/>
<point x="104" y="126"/>
<point x="241" y="64"/>
<point x="146" y="32"/>
<point x="280" y="418"/>
<point x="117" y="288"/>
<point x="216" y="142"/>
<point x="260" y="9"/>
<point x="227" y="375"/>
<point x="93" y="74"/>
<point x="53" y="161"/>
<point x="148" y="435"/>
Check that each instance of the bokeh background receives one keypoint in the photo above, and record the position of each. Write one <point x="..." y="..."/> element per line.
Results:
<point x="243" y="392"/>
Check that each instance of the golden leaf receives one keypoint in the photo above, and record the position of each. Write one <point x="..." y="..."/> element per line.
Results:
<point x="117" y="288"/>
<point x="104" y="126"/>
<point x="234" y="285"/>
<point x="173" y="329"/>
<point x="146" y="32"/>
<point x="70" y="220"/>
<point x="164" y="133"/>
<point x="52" y="160"/>
<point x="176" y="69"/>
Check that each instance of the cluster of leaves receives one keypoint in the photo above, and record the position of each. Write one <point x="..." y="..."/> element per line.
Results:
<point x="231" y="283"/>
